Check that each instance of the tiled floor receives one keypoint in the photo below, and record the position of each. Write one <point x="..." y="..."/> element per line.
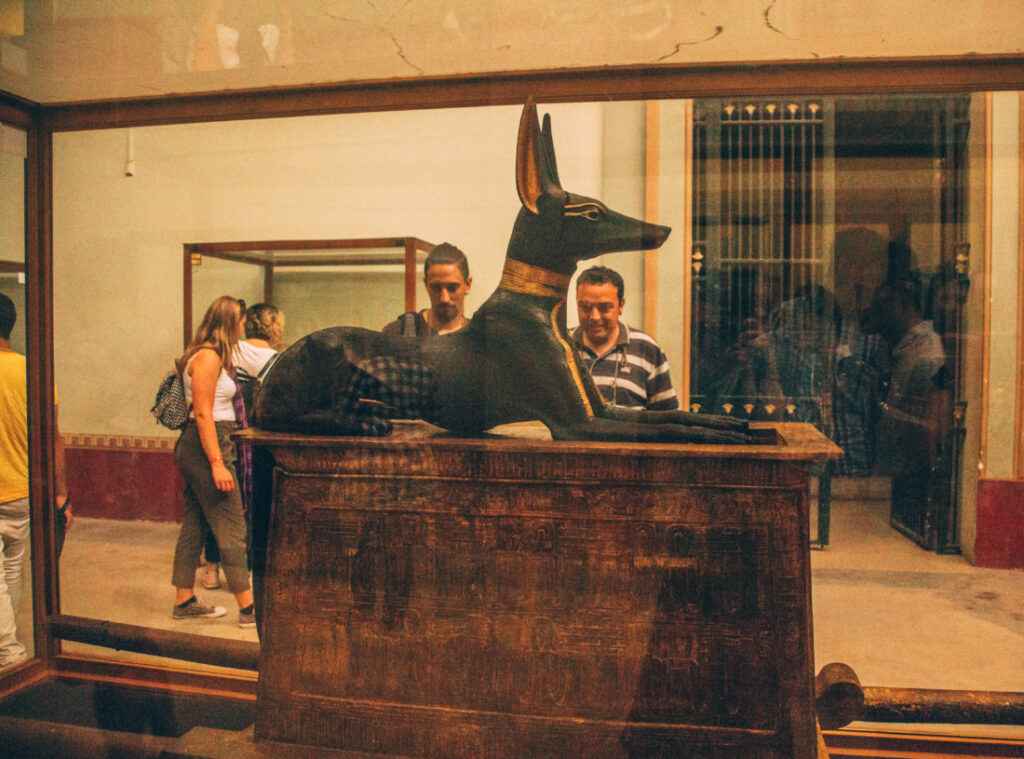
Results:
<point x="899" y="615"/>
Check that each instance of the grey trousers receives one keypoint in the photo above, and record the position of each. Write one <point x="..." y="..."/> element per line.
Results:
<point x="14" y="519"/>
<point x="223" y="511"/>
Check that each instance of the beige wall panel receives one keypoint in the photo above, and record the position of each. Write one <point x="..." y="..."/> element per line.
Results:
<point x="623" y="134"/>
<point x="1004" y="300"/>
<point x="974" y="349"/>
<point x="12" y="224"/>
<point x="674" y="142"/>
<point x="123" y="48"/>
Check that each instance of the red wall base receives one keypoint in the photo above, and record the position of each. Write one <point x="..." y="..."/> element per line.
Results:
<point x="1000" y="539"/>
<point x="136" y="478"/>
<point x="124" y="478"/>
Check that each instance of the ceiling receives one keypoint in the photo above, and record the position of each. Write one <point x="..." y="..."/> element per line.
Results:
<point x="60" y="51"/>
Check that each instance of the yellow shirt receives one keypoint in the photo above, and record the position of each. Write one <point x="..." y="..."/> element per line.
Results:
<point x="13" y="427"/>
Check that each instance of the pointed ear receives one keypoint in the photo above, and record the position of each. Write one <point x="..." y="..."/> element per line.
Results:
<point x="536" y="173"/>
<point x="549" y="152"/>
<point x="528" y="148"/>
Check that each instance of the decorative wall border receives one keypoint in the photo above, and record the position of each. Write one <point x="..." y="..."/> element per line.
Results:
<point x="118" y="442"/>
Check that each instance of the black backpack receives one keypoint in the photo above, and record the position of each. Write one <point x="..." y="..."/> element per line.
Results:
<point x="250" y="385"/>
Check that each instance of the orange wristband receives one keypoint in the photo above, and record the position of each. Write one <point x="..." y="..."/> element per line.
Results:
<point x="215" y="460"/>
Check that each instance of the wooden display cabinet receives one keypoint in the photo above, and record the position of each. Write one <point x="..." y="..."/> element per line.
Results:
<point x="429" y="596"/>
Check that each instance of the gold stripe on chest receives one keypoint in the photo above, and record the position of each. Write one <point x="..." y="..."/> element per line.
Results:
<point x="573" y="368"/>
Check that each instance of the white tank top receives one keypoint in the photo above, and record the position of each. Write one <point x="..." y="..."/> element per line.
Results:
<point x="223" y="407"/>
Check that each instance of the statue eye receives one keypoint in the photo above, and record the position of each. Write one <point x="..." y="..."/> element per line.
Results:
<point x="588" y="212"/>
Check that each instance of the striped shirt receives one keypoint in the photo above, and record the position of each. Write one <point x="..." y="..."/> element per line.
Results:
<point x="633" y="373"/>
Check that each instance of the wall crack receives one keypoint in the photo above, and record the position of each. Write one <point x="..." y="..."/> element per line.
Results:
<point x="679" y="45"/>
<point x="768" y="21"/>
<point x="401" y="52"/>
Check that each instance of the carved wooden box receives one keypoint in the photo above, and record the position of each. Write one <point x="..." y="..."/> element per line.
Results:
<point x="433" y="596"/>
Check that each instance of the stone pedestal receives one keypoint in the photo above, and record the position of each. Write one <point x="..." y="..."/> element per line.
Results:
<point x="510" y="596"/>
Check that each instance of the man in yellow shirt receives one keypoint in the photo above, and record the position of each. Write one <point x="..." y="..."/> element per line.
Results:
<point x="14" y="503"/>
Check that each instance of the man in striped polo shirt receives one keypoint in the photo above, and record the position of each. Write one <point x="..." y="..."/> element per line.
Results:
<point x="629" y="368"/>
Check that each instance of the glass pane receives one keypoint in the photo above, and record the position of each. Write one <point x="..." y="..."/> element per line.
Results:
<point x="326" y="178"/>
<point x="16" y="630"/>
<point x="215" y="277"/>
<point x="802" y="210"/>
<point x="833" y="240"/>
<point x="327" y="296"/>
<point x="355" y="282"/>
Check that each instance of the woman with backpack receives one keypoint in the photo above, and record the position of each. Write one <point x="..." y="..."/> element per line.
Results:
<point x="206" y="457"/>
<point x="253" y="357"/>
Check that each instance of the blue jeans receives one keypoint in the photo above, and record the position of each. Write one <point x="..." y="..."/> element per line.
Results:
<point x="13" y="541"/>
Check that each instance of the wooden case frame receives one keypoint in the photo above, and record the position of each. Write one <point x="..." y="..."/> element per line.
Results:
<point x="264" y="253"/>
<point x="830" y="76"/>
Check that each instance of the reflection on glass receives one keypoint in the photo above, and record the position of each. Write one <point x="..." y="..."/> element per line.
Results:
<point x="803" y="209"/>
<point x="16" y="632"/>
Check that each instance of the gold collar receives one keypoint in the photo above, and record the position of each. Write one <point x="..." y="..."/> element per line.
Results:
<point x="532" y="280"/>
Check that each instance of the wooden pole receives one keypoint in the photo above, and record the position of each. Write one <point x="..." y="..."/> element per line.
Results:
<point x="205" y="649"/>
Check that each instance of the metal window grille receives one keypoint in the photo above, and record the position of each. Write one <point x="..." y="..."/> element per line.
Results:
<point x="762" y="210"/>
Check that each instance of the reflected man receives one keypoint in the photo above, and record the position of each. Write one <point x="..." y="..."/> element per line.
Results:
<point x="14" y="502"/>
<point x="628" y="366"/>
<point x="861" y="357"/>
<point x="916" y="414"/>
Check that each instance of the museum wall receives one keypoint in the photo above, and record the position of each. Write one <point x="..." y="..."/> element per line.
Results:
<point x="993" y="490"/>
<point x="12" y="222"/>
<point x="211" y="196"/>
<point x="12" y="198"/>
<point x="1005" y="303"/>
<point x="122" y="48"/>
<point x="118" y="284"/>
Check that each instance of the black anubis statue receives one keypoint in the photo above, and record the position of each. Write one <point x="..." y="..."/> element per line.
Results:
<point x="514" y="361"/>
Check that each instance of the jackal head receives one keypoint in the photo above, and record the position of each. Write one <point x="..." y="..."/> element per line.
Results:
<point x="556" y="229"/>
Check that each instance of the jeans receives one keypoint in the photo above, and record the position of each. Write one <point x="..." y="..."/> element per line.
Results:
<point x="221" y="511"/>
<point x="13" y="541"/>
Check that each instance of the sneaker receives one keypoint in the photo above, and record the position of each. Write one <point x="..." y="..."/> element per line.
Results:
<point x="211" y="577"/>
<point x="193" y="610"/>
<point x="247" y="619"/>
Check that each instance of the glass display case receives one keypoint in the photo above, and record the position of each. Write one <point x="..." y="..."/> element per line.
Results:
<point x="364" y="282"/>
<point x="796" y="189"/>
